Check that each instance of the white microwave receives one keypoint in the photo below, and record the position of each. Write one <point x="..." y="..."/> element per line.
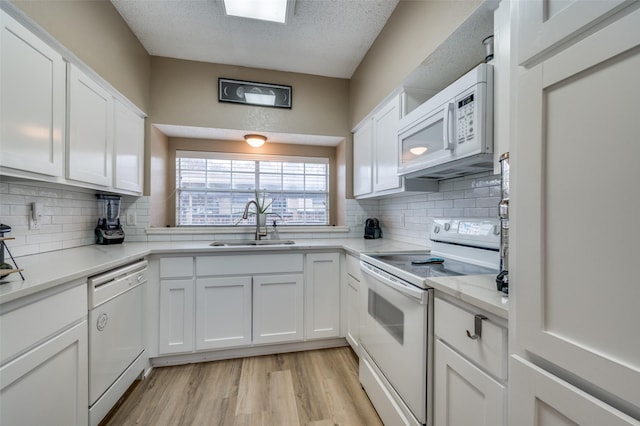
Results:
<point x="451" y="134"/>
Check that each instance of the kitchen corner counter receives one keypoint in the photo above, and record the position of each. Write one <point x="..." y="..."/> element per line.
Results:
<point x="477" y="290"/>
<point x="47" y="270"/>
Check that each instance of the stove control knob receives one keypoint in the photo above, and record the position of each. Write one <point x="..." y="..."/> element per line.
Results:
<point x="496" y="229"/>
<point x="436" y="229"/>
<point x="447" y="226"/>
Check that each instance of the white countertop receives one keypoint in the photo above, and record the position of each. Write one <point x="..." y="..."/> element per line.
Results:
<point x="477" y="290"/>
<point x="47" y="270"/>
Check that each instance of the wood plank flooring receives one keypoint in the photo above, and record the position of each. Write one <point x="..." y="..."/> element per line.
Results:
<point x="312" y="388"/>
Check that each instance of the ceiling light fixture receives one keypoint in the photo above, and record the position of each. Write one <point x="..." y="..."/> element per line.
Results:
<point x="265" y="10"/>
<point x="255" y="141"/>
<point x="418" y="150"/>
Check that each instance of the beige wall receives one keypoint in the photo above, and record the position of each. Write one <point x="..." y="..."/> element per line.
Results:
<point x="186" y="93"/>
<point x="241" y="147"/>
<point x="97" y="35"/>
<point x="157" y="182"/>
<point x="414" y="30"/>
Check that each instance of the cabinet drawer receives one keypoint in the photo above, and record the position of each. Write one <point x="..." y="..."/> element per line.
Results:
<point x="353" y="267"/>
<point x="176" y="267"/>
<point x="24" y="327"/>
<point x="489" y="352"/>
<point x="247" y="264"/>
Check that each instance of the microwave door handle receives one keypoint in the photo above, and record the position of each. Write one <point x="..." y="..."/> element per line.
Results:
<point x="447" y="127"/>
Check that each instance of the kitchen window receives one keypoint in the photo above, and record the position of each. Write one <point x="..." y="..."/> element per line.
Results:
<point x="213" y="188"/>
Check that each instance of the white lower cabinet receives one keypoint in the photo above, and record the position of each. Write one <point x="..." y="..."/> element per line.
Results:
<point x="277" y="308"/>
<point x="176" y="316"/>
<point x="543" y="399"/>
<point x="44" y="363"/>
<point x="223" y="312"/>
<point x="469" y="374"/>
<point x="464" y="394"/>
<point x="49" y="384"/>
<point x="352" y="304"/>
<point x="322" y="295"/>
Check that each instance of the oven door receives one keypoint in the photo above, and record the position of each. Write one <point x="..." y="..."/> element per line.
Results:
<point x="394" y="331"/>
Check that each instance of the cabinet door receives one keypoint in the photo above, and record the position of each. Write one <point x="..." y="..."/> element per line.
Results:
<point x="322" y="295"/>
<point x="176" y="316"/>
<point x="577" y="137"/>
<point x="463" y="394"/>
<point x="49" y="384"/>
<point x="277" y="308"/>
<point x="32" y="101"/>
<point x="129" y="148"/>
<point x="223" y="312"/>
<point x="90" y="145"/>
<point x="542" y="399"/>
<point x="385" y="142"/>
<point x="353" y="314"/>
<point x="543" y="25"/>
<point x="363" y="159"/>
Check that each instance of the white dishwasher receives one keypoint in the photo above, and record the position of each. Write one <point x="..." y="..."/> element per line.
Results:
<point x="116" y="341"/>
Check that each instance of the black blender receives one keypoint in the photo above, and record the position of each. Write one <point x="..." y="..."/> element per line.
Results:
<point x="109" y="229"/>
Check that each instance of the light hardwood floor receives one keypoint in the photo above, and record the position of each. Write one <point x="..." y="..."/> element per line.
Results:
<point x="315" y="388"/>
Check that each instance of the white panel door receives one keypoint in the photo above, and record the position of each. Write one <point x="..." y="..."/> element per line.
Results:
<point x="176" y="316"/>
<point x="575" y="209"/>
<point x="353" y="314"/>
<point x="32" y="101"/>
<point x="277" y="308"/>
<point x="542" y="399"/>
<point x="90" y="144"/>
<point x="223" y="312"/>
<point x="322" y="295"/>
<point x="129" y="148"/>
<point x="464" y="395"/>
<point x="545" y="24"/>
<point x="363" y="159"/>
<point x="385" y="142"/>
<point x="49" y="384"/>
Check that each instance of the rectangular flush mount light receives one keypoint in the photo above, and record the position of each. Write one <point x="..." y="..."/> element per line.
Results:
<point x="264" y="10"/>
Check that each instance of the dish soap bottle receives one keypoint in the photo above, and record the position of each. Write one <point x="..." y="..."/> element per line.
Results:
<point x="274" y="232"/>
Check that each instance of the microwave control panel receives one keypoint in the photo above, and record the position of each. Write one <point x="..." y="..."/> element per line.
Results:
<point x="466" y="113"/>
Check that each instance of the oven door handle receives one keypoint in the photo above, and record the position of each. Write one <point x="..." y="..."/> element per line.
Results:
<point x="406" y="289"/>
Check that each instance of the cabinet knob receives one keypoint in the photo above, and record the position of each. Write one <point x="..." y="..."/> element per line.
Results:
<point x="477" y="327"/>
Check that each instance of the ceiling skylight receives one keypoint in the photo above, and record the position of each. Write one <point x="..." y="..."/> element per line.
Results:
<point x="264" y="10"/>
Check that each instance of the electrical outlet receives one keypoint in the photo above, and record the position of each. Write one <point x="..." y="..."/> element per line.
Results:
<point x="131" y="218"/>
<point x="359" y="219"/>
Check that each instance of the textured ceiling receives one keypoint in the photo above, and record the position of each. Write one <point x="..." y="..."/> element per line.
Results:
<point x="324" y="37"/>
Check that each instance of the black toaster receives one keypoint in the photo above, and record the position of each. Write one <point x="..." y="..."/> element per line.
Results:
<point x="372" y="229"/>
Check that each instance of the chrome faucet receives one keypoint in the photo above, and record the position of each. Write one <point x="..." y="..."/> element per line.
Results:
<point x="245" y="215"/>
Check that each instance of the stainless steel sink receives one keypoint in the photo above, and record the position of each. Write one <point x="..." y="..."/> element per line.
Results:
<point x="251" y="243"/>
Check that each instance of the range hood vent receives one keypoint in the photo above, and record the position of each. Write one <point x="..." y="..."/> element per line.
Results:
<point x="457" y="168"/>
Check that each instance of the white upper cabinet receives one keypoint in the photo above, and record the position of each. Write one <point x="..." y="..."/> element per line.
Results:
<point x="363" y="159"/>
<point x="32" y="101"/>
<point x="129" y="148"/>
<point x="577" y="138"/>
<point x="90" y="141"/>
<point x="543" y="25"/>
<point x="385" y="143"/>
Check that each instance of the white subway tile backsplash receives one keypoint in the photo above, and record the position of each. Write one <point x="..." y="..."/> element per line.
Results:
<point x="70" y="214"/>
